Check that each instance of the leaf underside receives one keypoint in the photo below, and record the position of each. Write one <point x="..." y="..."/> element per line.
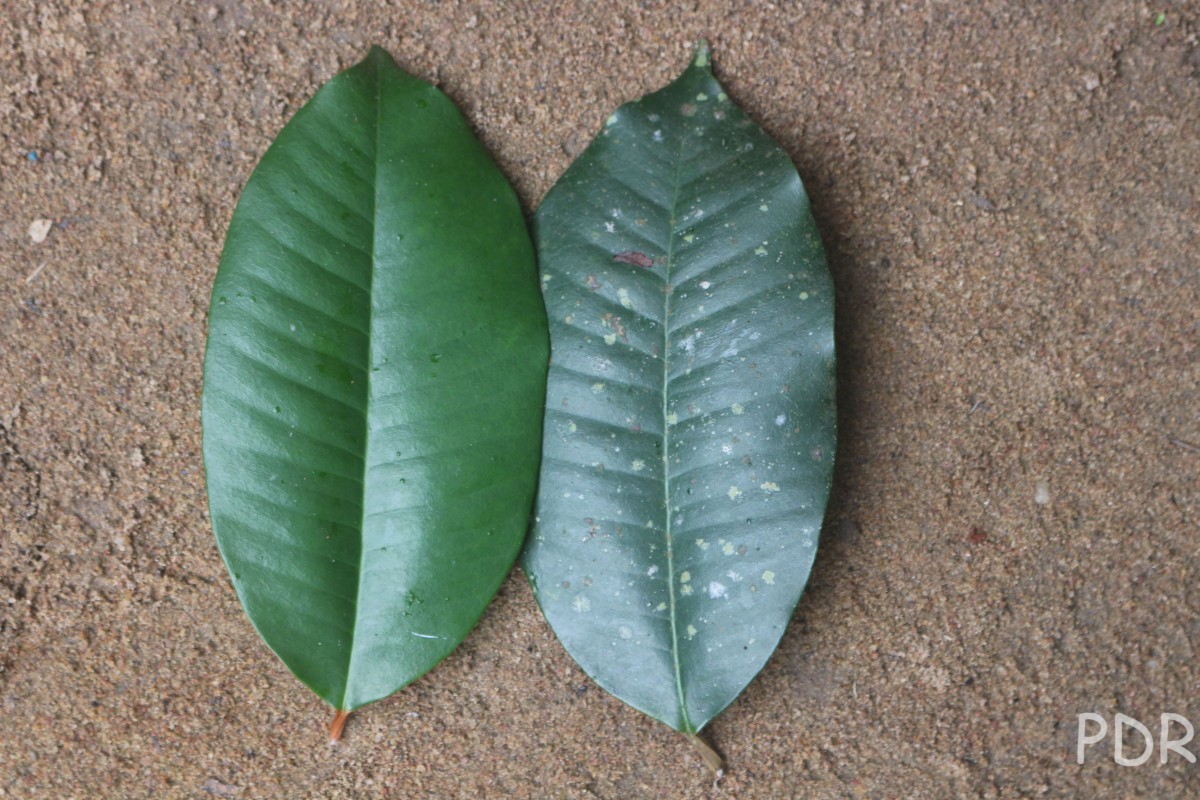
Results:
<point x="690" y="418"/>
<point x="373" y="385"/>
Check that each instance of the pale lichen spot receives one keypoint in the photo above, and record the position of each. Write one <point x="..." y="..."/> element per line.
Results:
<point x="685" y="577"/>
<point x="691" y="631"/>
<point x="703" y="545"/>
<point x="804" y="295"/>
<point x="781" y="420"/>
<point x="716" y="590"/>
<point x="653" y="570"/>
<point x="733" y="575"/>
<point x="764" y="207"/>
<point x="581" y="604"/>
<point x="658" y="136"/>
<point x="612" y="120"/>
<point x="728" y="549"/>
<point x="702" y="97"/>
<point x="672" y="418"/>
<point x="597" y="388"/>
<point x="705" y="285"/>
<point x="734" y="493"/>
<point x="568" y="319"/>
<point x="610" y="227"/>
<point x="768" y="578"/>
<point x="626" y="632"/>
<point x="727" y="449"/>
<point x="572" y="427"/>
<point x="689" y="238"/>
<point x="661" y="607"/>
<point x="688" y="109"/>
<point x="738" y="409"/>
<point x="638" y="465"/>
<point x="610" y="338"/>
<point x="623" y="297"/>
<point x="760" y="251"/>
<point x="770" y="487"/>
<point x="722" y="97"/>
<point x="686" y="589"/>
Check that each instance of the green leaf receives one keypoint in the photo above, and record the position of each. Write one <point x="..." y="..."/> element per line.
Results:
<point x="373" y="385"/>
<point x="690" y="417"/>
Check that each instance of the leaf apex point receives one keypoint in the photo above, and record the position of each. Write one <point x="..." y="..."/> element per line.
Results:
<point x="378" y="54"/>
<point x="703" y="55"/>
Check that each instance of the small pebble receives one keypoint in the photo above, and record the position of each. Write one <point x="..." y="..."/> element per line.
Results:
<point x="39" y="229"/>
<point x="1041" y="493"/>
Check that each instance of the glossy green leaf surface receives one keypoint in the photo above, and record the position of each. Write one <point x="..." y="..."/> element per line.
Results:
<point x="373" y="385"/>
<point x="690" y="417"/>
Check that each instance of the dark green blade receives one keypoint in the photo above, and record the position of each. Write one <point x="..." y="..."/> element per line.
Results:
<point x="373" y="385"/>
<point x="690" y="423"/>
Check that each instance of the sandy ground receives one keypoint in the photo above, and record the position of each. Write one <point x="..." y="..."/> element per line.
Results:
<point x="1010" y="200"/>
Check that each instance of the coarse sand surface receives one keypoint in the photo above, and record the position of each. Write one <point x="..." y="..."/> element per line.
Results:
<point x="1009" y="197"/>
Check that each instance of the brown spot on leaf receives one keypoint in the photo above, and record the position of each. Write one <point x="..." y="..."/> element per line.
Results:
<point x="634" y="257"/>
<point x="616" y="326"/>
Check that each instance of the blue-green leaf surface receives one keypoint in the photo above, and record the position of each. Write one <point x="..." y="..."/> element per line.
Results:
<point x="373" y="385"/>
<point x="690" y="424"/>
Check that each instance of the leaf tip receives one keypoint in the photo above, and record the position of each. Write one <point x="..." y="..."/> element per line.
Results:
<point x="703" y="56"/>
<point x="377" y="55"/>
<point x="338" y="725"/>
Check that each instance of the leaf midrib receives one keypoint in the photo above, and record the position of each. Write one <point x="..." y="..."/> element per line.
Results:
<point x="681" y="694"/>
<point x="366" y="436"/>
